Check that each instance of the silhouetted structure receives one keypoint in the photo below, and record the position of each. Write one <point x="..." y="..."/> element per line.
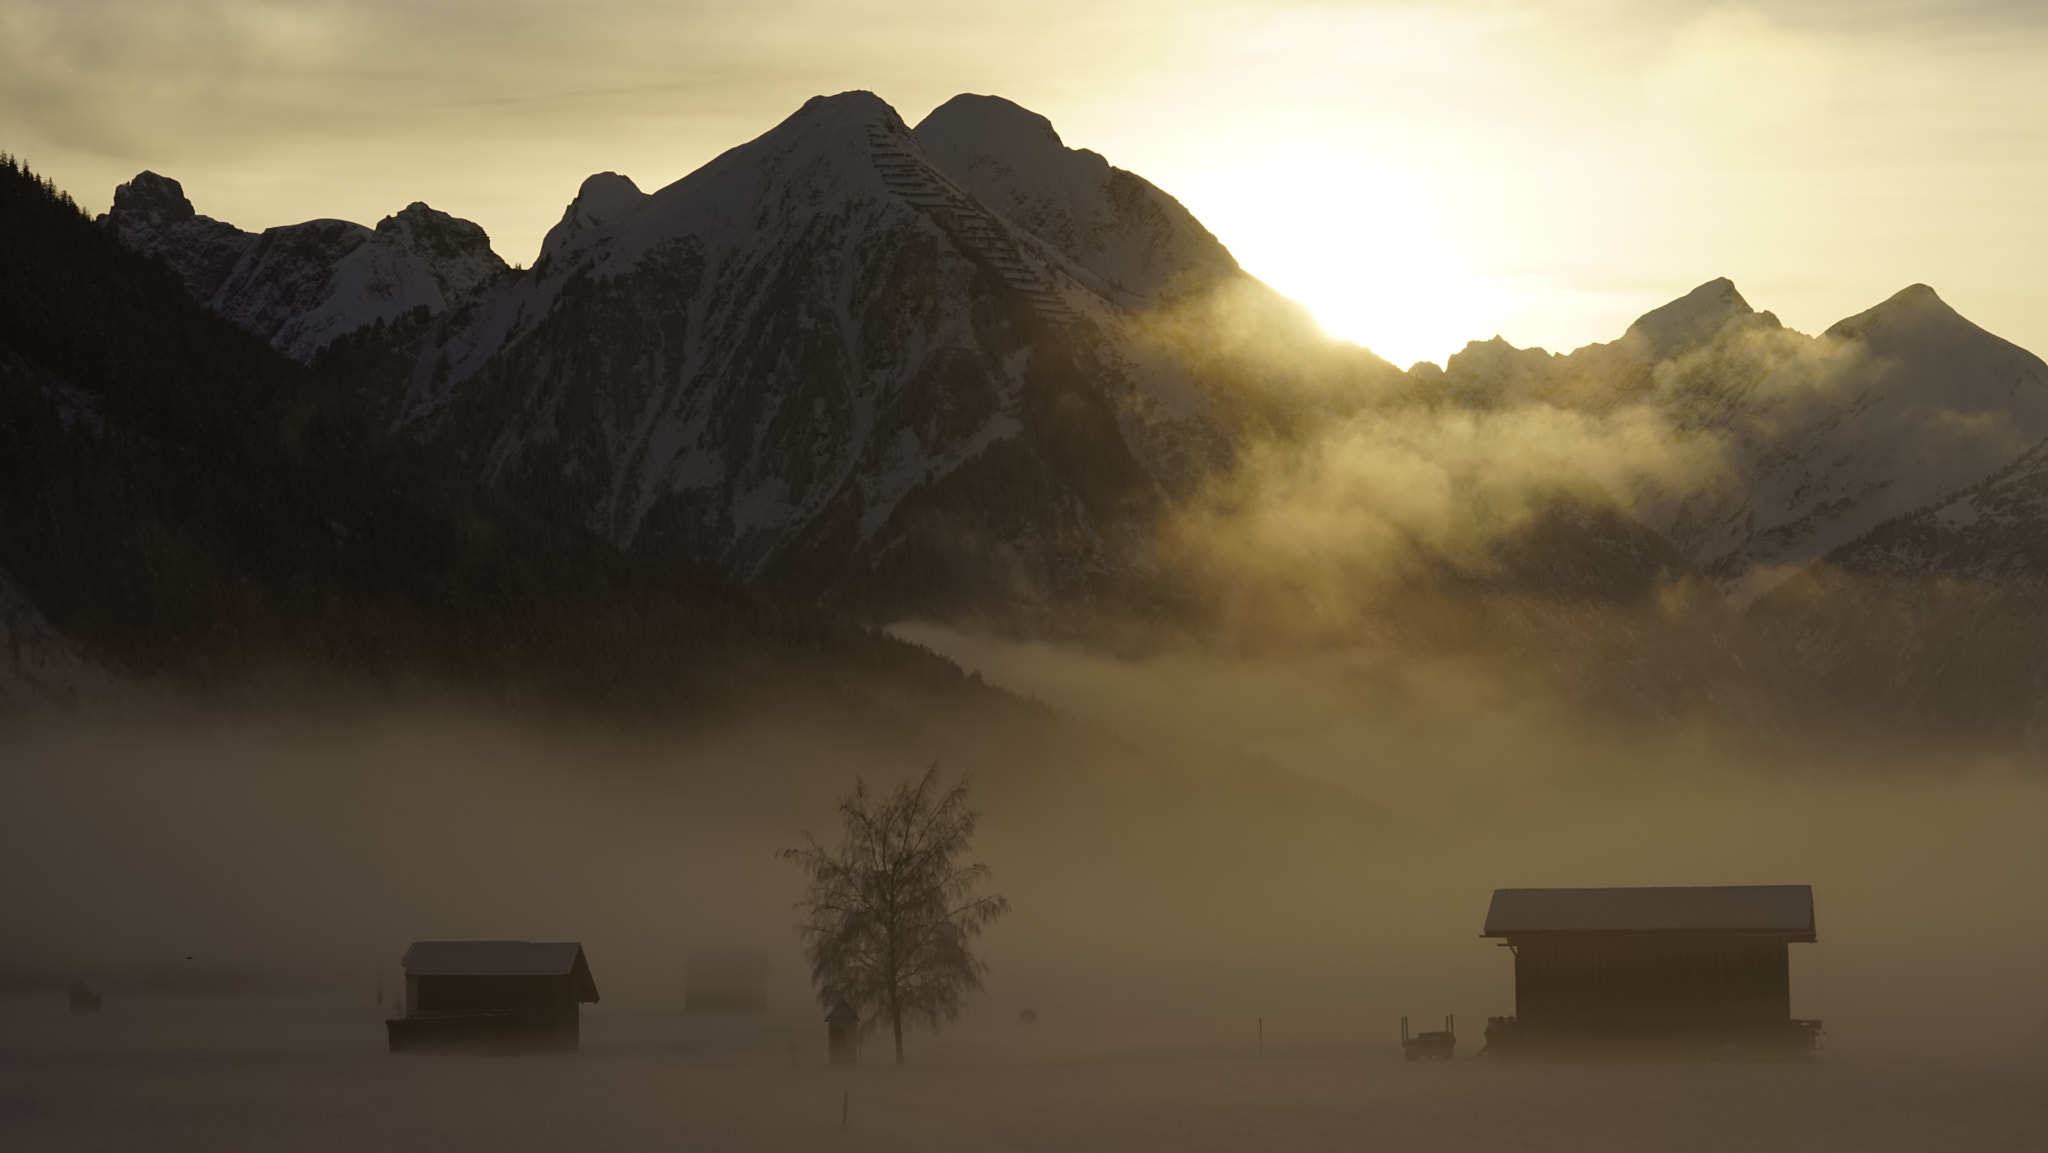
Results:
<point x="1678" y="971"/>
<point x="1433" y="1045"/>
<point x="842" y="1033"/>
<point x="517" y="995"/>
<point x="726" y="981"/>
<point x="84" y="998"/>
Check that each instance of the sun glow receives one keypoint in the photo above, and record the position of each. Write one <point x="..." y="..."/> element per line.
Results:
<point x="1359" y="246"/>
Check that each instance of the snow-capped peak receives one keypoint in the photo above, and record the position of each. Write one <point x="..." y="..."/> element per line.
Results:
<point x="603" y="199"/>
<point x="458" y="251"/>
<point x="1691" y="319"/>
<point x="1915" y="309"/>
<point x="996" y="130"/>
<point x="1138" y="241"/>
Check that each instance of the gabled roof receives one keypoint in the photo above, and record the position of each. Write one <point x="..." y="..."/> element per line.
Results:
<point x="1785" y="910"/>
<point x="502" y="959"/>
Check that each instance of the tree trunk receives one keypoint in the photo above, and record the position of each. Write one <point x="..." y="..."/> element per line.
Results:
<point x="896" y="1022"/>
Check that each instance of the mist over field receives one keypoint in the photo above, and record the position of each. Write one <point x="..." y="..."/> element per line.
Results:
<point x="1214" y="842"/>
<point x="1230" y="881"/>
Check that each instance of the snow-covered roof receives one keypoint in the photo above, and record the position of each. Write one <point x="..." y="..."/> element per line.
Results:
<point x="501" y="959"/>
<point x="1777" y="909"/>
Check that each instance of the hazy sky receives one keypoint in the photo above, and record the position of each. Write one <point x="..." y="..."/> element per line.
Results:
<point x="1419" y="174"/>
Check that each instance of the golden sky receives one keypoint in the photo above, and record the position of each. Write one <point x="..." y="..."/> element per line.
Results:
<point x="1418" y="174"/>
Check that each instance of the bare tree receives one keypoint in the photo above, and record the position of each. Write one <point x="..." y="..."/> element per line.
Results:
<point x="891" y="914"/>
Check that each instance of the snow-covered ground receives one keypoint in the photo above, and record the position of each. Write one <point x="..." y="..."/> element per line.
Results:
<point x="272" y="1074"/>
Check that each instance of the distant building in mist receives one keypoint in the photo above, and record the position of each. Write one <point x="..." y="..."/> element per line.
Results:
<point x="842" y="1034"/>
<point x="1653" y="970"/>
<point x="516" y="995"/>
<point x="726" y="981"/>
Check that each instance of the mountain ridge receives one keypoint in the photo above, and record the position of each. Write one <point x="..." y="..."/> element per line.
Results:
<point x="964" y="372"/>
<point x="181" y="506"/>
<point x="1823" y="437"/>
<point x="300" y="286"/>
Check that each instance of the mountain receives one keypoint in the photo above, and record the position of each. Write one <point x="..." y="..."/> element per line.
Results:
<point x="965" y="372"/>
<point x="1807" y="442"/>
<point x="189" y="513"/>
<point x="829" y="363"/>
<point x="1138" y="245"/>
<point x="1938" y="618"/>
<point x="301" y="285"/>
<point x="183" y="506"/>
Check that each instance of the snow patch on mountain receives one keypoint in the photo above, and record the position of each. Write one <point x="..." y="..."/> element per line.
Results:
<point x="1938" y="617"/>
<point x="457" y="251"/>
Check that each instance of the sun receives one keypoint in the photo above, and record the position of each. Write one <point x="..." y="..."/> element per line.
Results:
<point x="1359" y="246"/>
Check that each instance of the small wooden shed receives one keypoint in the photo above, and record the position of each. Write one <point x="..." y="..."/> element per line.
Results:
<point x="726" y="981"/>
<point x="1693" y="969"/>
<point x="842" y="1034"/>
<point x="493" y="995"/>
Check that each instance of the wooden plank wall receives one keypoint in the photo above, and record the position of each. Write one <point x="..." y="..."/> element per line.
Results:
<point x="1650" y="984"/>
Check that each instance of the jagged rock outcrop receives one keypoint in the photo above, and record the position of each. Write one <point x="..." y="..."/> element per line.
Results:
<point x="300" y="286"/>
<point x="603" y="199"/>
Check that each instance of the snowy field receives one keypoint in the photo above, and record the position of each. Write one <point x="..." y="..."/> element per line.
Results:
<point x="271" y="1074"/>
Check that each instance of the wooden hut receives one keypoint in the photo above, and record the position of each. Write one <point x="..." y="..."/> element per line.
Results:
<point x="726" y="981"/>
<point x="519" y="995"/>
<point x="1680" y="970"/>
<point x="842" y="1034"/>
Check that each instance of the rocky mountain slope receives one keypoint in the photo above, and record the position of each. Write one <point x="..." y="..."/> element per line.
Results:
<point x="1807" y="442"/>
<point x="301" y="285"/>
<point x="829" y="363"/>
<point x="181" y="505"/>
<point x="1937" y="618"/>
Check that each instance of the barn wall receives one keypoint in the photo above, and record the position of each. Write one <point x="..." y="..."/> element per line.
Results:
<point x="1662" y="983"/>
<point x="537" y="996"/>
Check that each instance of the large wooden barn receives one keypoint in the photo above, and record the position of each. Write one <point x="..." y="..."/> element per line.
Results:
<point x="1699" y="971"/>
<point x="521" y="995"/>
